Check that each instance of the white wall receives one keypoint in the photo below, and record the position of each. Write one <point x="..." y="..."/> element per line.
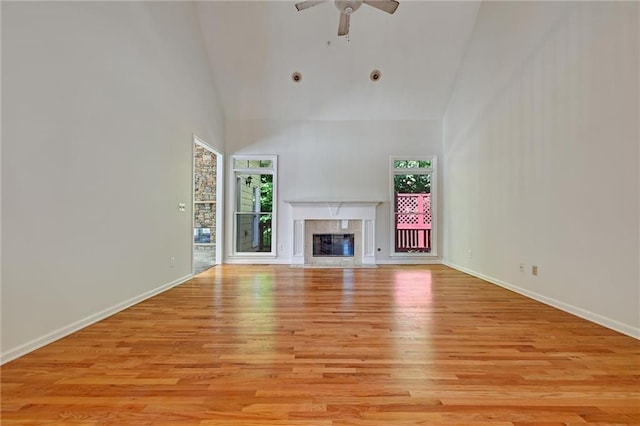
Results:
<point x="542" y="156"/>
<point x="330" y="160"/>
<point x="99" y="104"/>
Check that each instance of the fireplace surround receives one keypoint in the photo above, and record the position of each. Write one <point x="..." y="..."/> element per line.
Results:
<point x="334" y="217"/>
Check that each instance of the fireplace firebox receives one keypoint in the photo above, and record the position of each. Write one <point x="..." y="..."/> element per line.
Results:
<point x="333" y="245"/>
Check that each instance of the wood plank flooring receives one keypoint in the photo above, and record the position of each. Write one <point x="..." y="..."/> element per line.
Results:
<point x="271" y="345"/>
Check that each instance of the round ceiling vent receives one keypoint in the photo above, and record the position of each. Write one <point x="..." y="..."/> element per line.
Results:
<point x="375" y="75"/>
<point x="296" y="77"/>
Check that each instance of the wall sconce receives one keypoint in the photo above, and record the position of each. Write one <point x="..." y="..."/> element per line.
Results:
<point x="248" y="180"/>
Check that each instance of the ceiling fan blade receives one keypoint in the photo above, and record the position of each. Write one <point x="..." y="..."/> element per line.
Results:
<point x="308" y="3"/>
<point x="388" y="6"/>
<point x="343" y="27"/>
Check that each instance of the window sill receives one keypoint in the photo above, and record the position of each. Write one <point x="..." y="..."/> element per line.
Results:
<point x="413" y="255"/>
<point x="252" y="256"/>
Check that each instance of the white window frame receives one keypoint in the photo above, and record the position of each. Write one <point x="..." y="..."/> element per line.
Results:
<point x="434" y="203"/>
<point x="273" y="170"/>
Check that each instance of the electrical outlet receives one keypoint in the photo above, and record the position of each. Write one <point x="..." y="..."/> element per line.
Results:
<point x="522" y="267"/>
<point x="172" y="262"/>
<point x="470" y="254"/>
<point x="534" y="270"/>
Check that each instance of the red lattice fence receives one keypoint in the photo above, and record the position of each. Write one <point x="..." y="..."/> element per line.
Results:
<point x="413" y="222"/>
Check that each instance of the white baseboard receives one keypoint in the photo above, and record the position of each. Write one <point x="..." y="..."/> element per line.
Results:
<point x="39" y="342"/>
<point x="582" y="313"/>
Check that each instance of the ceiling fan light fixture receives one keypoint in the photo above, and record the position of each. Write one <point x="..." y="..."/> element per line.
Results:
<point x="347" y="7"/>
<point x="296" y="77"/>
<point x="375" y="75"/>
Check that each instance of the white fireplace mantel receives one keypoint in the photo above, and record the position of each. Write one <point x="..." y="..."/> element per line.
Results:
<point x="364" y="211"/>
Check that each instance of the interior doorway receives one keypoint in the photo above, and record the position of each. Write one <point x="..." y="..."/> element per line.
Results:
<point x="207" y="206"/>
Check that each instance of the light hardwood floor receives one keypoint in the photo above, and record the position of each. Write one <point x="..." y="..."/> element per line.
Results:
<point x="271" y="345"/>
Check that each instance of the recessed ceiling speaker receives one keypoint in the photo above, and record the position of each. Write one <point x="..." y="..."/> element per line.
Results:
<point x="375" y="75"/>
<point x="296" y="77"/>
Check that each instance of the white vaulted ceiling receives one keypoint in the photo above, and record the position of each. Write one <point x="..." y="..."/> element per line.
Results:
<point x="254" y="47"/>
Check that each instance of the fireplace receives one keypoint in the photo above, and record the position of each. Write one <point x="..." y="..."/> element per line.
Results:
<point x="352" y="222"/>
<point x="333" y="245"/>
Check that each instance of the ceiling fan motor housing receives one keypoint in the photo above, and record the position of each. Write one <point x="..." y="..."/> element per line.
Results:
<point x="348" y="6"/>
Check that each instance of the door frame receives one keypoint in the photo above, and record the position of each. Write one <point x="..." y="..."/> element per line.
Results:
<point x="219" y="240"/>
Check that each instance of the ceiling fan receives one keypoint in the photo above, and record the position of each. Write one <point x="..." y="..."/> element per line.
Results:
<point x="347" y="7"/>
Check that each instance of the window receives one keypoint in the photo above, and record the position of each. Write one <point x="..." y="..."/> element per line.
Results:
<point x="414" y="199"/>
<point x="255" y="201"/>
